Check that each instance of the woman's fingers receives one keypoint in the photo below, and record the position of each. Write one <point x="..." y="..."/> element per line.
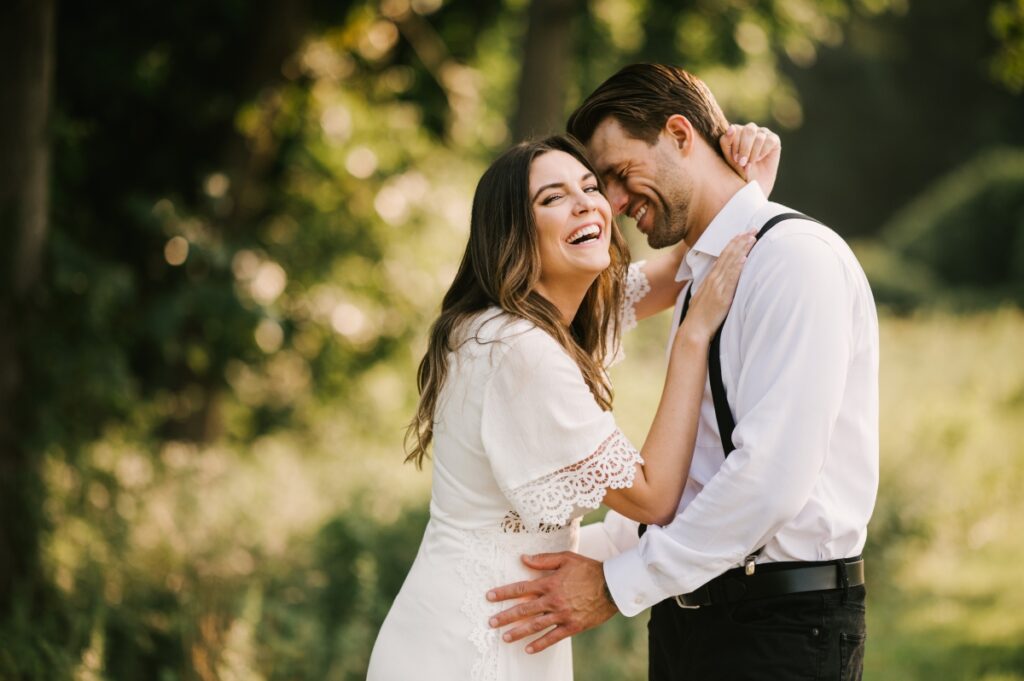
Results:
<point x="726" y="272"/>
<point x="712" y="300"/>
<point x="746" y="144"/>
<point x="748" y="136"/>
<point x="729" y="141"/>
<point x="737" y="248"/>
<point x="769" y="144"/>
<point x="757" y="148"/>
<point x="721" y="280"/>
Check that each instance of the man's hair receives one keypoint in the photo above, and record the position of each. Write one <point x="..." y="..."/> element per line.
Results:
<point x="641" y="97"/>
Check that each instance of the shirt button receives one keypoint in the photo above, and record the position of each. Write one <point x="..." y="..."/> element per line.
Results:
<point x="815" y="631"/>
<point x="638" y="600"/>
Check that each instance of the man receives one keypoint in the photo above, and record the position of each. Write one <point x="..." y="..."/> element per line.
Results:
<point x="759" y="574"/>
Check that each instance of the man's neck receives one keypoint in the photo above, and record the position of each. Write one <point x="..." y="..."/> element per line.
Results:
<point x="717" y="188"/>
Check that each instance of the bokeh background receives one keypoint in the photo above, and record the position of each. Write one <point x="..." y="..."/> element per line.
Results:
<point x="229" y="223"/>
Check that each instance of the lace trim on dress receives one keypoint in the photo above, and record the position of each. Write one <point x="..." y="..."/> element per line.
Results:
<point x="489" y="553"/>
<point x="514" y="524"/>
<point x="637" y="287"/>
<point x="551" y="500"/>
<point x="476" y="573"/>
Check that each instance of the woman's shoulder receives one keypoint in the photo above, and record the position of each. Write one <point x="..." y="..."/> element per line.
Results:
<point x="496" y="333"/>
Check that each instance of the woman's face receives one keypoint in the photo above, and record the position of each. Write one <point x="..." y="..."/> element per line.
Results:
<point x="573" y="219"/>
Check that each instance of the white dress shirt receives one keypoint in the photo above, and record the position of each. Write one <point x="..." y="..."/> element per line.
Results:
<point x="800" y="368"/>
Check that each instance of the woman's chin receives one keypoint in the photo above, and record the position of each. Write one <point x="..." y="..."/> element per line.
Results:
<point x="602" y="263"/>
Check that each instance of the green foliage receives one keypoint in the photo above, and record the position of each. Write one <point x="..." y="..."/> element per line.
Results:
<point x="968" y="229"/>
<point x="255" y="210"/>
<point x="1007" y="20"/>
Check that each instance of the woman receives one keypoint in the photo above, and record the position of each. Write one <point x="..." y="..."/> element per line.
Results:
<point x="515" y="399"/>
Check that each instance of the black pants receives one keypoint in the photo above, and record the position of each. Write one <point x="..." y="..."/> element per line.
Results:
<point x="814" y="636"/>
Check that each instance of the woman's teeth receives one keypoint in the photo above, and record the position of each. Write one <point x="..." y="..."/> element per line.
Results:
<point x="586" y="233"/>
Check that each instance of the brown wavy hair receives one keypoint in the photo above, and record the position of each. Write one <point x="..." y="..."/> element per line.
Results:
<point x="501" y="268"/>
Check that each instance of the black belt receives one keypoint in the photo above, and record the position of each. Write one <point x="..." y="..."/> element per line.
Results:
<point x="775" y="579"/>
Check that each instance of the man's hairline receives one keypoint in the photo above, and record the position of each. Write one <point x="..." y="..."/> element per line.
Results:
<point x="612" y="115"/>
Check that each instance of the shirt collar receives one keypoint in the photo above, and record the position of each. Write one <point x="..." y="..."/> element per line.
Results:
<point x="734" y="218"/>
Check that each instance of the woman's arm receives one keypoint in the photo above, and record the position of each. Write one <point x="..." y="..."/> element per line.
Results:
<point x="668" y="450"/>
<point x="754" y="153"/>
<point x="660" y="271"/>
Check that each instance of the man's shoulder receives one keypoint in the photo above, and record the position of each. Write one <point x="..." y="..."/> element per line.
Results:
<point x="796" y="222"/>
<point x="795" y="239"/>
<point x="800" y="260"/>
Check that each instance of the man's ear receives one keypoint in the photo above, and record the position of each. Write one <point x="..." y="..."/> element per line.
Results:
<point x="679" y="129"/>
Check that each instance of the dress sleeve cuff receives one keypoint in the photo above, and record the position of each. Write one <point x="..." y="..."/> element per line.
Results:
<point x="630" y="583"/>
<point x="556" y="498"/>
<point x="636" y="289"/>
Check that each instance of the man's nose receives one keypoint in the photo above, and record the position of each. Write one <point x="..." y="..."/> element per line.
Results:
<point x="618" y="198"/>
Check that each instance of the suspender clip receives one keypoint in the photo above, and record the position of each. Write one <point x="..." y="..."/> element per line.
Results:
<point x="750" y="564"/>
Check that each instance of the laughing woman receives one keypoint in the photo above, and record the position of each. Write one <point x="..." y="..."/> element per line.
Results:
<point x="515" y="400"/>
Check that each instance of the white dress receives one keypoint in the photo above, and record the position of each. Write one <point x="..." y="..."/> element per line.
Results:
<point x="521" y="451"/>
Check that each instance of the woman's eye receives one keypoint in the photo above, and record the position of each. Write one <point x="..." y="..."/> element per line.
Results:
<point x="550" y="198"/>
<point x="591" y="188"/>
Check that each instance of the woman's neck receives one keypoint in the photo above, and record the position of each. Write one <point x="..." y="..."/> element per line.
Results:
<point x="566" y="297"/>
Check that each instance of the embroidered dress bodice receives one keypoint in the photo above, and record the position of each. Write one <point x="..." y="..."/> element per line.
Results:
<point x="521" y="451"/>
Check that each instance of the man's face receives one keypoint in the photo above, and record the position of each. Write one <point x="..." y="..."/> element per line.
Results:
<point x="649" y="183"/>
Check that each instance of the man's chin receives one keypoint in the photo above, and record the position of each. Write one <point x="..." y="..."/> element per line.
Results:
<point x="660" y="240"/>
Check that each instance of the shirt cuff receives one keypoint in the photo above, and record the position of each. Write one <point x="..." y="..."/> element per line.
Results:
<point x="630" y="583"/>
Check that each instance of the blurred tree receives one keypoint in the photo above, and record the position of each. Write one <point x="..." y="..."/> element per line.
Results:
<point x="26" y="70"/>
<point x="546" y="65"/>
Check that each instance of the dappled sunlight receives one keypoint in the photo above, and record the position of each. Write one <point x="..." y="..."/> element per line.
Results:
<point x="251" y="230"/>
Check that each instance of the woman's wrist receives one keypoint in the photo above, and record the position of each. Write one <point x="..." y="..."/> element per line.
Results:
<point x="692" y="336"/>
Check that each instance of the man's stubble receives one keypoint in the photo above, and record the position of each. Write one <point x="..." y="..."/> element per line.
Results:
<point x="675" y="195"/>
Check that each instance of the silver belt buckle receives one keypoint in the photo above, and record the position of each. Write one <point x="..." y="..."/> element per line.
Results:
<point x="684" y="606"/>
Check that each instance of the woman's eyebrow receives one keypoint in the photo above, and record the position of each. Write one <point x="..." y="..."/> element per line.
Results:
<point x="586" y="176"/>
<point x="546" y="187"/>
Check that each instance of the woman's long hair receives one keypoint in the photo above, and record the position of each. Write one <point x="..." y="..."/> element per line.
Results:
<point x="501" y="267"/>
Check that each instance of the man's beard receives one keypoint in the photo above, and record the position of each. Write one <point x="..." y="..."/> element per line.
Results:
<point x="671" y="216"/>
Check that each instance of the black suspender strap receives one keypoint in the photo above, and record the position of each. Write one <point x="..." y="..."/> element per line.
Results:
<point x="723" y="414"/>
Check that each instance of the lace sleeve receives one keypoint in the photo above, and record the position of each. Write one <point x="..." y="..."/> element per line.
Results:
<point x="637" y="287"/>
<point x="554" y="499"/>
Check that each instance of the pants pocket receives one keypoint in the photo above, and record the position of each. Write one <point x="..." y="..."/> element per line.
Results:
<point x="851" y="656"/>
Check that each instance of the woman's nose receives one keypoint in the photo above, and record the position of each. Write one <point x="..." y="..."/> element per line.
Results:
<point x="585" y="202"/>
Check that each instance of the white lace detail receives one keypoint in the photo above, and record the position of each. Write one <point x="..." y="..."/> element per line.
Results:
<point x="636" y="288"/>
<point x="477" y="573"/>
<point x="514" y="524"/>
<point x="490" y="555"/>
<point x="552" y="499"/>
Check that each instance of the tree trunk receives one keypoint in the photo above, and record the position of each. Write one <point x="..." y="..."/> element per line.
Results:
<point x="26" y="71"/>
<point x="547" y="61"/>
